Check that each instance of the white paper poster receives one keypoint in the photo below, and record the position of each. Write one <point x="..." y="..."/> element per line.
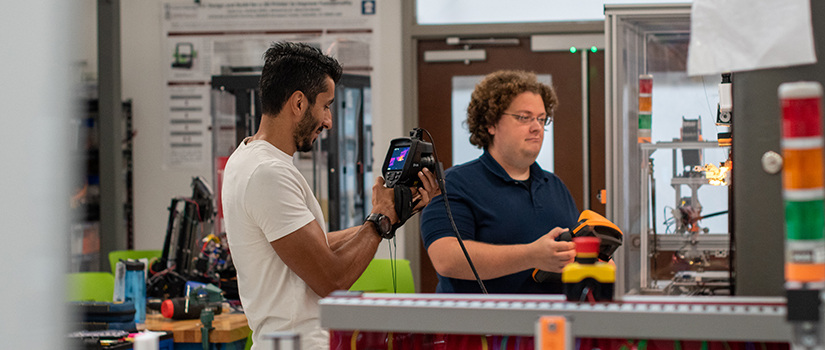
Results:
<point x="219" y="37"/>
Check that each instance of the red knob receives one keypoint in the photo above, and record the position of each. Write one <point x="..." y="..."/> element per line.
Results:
<point x="587" y="245"/>
<point x="167" y="308"/>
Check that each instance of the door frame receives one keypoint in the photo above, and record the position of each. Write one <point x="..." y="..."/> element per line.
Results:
<point x="411" y="33"/>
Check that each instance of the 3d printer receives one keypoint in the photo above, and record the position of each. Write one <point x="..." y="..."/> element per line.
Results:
<point x="191" y="252"/>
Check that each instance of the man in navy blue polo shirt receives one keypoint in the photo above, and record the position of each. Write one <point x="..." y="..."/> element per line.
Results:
<point x="508" y="210"/>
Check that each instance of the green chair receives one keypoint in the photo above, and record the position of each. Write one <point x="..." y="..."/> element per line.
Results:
<point x="91" y="286"/>
<point x="116" y="255"/>
<point x="377" y="278"/>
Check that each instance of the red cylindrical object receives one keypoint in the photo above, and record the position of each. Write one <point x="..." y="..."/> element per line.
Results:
<point x="167" y="308"/>
<point x="587" y="245"/>
<point x="177" y="309"/>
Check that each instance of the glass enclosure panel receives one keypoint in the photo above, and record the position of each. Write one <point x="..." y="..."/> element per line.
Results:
<point x="351" y="203"/>
<point x="463" y="150"/>
<point x="674" y="219"/>
<point x="223" y="114"/>
<point x="346" y="151"/>
<point x="368" y="178"/>
<point x="340" y="163"/>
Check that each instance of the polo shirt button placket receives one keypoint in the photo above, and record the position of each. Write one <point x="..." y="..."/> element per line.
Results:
<point x="534" y="195"/>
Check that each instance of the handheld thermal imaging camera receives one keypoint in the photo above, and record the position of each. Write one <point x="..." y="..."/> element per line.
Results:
<point x="405" y="158"/>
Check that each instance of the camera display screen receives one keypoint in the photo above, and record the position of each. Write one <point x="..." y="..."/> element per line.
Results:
<point x="399" y="156"/>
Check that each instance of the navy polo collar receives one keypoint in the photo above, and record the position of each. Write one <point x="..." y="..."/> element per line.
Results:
<point x="536" y="172"/>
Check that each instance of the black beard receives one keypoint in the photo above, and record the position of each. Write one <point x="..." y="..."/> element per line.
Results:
<point x="304" y="132"/>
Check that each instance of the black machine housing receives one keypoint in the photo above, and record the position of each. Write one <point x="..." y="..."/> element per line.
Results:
<point x="189" y="220"/>
<point x="405" y="158"/>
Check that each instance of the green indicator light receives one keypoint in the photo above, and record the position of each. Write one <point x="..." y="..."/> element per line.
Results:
<point x="593" y="49"/>
<point x="804" y="220"/>
<point x="645" y="121"/>
<point x="572" y="49"/>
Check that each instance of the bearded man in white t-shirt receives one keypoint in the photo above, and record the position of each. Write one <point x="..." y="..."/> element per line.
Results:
<point x="285" y="260"/>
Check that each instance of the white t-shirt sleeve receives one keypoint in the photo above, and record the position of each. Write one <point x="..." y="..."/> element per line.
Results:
<point x="276" y="201"/>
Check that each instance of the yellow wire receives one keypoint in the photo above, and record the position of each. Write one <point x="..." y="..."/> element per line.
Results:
<point x="483" y="342"/>
<point x="353" y="340"/>
<point x="389" y="341"/>
<point x="213" y="238"/>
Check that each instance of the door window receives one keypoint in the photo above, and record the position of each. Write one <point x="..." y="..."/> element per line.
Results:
<point x="463" y="150"/>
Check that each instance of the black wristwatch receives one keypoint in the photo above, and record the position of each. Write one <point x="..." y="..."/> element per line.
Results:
<point x="382" y="225"/>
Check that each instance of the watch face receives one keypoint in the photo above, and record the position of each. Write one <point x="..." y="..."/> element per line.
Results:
<point x="384" y="224"/>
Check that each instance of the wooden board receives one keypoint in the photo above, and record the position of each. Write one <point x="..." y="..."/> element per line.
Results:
<point x="228" y="328"/>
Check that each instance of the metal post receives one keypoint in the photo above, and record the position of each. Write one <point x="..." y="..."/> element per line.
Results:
<point x="585" y="75"/>
<point x="112" y="179"/>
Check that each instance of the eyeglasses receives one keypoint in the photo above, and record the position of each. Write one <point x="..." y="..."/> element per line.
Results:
<point x="527" y="119"/>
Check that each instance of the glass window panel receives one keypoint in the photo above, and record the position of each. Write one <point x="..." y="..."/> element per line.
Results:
<point x="430" y="12"/>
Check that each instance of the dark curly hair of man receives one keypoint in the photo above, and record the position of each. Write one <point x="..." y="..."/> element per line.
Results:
<point x="290" y="67"/>
<point x="493" y="95"/>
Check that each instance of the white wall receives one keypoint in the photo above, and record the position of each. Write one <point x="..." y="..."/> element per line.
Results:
<point x="86" y="43"/>
<point x="142" y="78"/>
<point x="154" y="185"/>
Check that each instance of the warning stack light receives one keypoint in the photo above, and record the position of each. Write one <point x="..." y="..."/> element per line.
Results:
<point x="802" y="181"/>
<point x="645" y="108"/>
<point x="803" y="192"/>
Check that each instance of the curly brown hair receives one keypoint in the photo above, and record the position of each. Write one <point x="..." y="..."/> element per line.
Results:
<point x="493" y="95"/>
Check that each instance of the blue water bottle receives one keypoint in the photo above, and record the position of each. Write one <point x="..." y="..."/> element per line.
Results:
<point x="136" y="288"/>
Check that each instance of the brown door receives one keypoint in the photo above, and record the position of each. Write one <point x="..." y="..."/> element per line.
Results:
<point x="565" y="69"/>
